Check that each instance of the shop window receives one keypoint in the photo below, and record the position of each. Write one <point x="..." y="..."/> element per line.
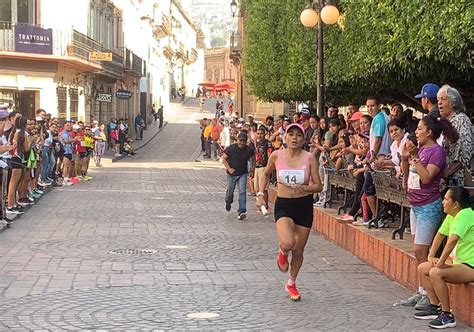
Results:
<point x="73" y="104"/>
<point x="5" y="10"/>
<point x="61" y="93"/>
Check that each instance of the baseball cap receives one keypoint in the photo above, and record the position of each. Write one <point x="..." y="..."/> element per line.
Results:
<point x="293" y="125"/>
<point x="95" y="122"/>
<point x="429" y="90"/>
<point x="306" y="111"/>
<point x="242" y="136"/>
<point x="76" y="127"/>
<point x="304" y="117"/>
<point x="356" y="116"/>
<point x="250" y="116"/>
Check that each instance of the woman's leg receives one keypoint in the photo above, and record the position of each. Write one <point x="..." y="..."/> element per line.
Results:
<point x="456" y="274"/>
<point x="301" y="235"/>
<point x="16" y="174"/>
<point x="286" y="234"/>
<point x="425" y="281"/>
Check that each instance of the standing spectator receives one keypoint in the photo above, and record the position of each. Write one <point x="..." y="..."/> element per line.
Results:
<point x="230" y="108"/>
<point x="235" y="159"/>
<point x="111" y="126"/>
<point x="379" y="143"/>
<point x="202" y="101"/>
<point x="332" y="113"/>
<point x="459" y="153"/>
<point x="396" y="111"/>
<point x="100" y="140"/>
<point x="215" y="135"/>
<point x="159" y="114"/>
<point x="263" y="150"/>
<point x="352" y="109"/>
<point x="208" y="139"/>
<point x="123" y="130"/>
<point x="139" y="124"/>
<point x="429" y="101"/>
<point x="423" y="167"/>
<point x="308" y="130"/>
<point x="225" y="139"/>
<point x="47" y="157"/>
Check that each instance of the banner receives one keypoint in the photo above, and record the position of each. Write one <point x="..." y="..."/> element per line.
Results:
<point x="32" y="39"/>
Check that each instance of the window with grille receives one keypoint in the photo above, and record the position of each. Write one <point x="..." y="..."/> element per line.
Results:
<point x="73" y="103"/>
<point x="61" y="93"/>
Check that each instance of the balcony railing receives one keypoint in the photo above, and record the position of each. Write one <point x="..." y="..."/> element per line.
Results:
<point x="68" y="43"/>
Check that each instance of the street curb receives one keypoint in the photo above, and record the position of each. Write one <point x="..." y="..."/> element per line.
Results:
<point x="145" y="144"/>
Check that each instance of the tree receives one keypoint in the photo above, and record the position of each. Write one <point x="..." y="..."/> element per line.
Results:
<point x="386" y="47"/>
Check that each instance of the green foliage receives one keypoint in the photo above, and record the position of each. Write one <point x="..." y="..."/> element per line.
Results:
<point x="389" y="47"/>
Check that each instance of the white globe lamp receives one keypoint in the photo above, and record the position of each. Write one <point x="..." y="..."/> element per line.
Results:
<point x="330" y="14"/>
<point x="309" y="17"/>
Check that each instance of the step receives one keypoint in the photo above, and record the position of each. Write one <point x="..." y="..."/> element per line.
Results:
<point x="393" y="258"/>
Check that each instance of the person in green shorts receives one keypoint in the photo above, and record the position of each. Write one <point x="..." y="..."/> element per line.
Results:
<point x="456" y="264"/>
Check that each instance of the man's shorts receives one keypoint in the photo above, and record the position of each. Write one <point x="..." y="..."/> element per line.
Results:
<point x="82" y="155"/>
<point x="369" y="188"/>
<point x="257" y="177"/>
<point x="425" y="221"/>
<point x="68" y="156"/>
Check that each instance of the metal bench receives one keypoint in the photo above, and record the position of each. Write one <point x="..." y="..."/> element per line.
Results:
<point x="390" y="190"/>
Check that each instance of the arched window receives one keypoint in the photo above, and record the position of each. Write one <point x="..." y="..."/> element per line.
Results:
<point x="217" y="76"/>
<point x="209" y="75"/>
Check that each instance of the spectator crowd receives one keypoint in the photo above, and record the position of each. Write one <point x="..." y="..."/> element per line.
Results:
<point x="40" y="152"/>
<point x="432" y="157"/>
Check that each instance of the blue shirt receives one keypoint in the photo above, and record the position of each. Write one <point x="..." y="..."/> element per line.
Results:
<point x="378" y="128"/>
<point x="66" y="136"/>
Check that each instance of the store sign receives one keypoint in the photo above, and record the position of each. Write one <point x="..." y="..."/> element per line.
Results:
<point x="32" y="39"/>
<point x="124" y="94"/>
<point x="100" y="56"/>
<point x="104" y="97"/>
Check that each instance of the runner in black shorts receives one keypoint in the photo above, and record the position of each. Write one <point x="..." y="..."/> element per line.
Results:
<point x="298" y="178"/>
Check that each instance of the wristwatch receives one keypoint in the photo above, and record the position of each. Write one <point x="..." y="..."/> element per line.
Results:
<point x="260" y="194"/>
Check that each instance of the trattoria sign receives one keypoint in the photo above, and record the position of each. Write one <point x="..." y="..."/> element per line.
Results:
<point x="33" y="39"/>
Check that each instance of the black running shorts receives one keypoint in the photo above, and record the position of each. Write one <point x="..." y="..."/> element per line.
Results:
<point x="300" y="210"/>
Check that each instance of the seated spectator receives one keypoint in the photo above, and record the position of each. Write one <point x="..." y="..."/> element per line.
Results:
<point x="456" y="263"/>
<point x="128" y="146"/>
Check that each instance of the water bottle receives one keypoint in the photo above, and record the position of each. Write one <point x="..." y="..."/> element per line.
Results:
<point x="264" y="210"/>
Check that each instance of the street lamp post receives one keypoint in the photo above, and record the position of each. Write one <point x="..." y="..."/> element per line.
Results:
<point x="310" y="17"/>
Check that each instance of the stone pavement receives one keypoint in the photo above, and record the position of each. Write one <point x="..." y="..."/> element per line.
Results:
<point x="147" y="245"/>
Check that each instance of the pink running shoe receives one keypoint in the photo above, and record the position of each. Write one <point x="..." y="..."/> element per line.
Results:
<point x="282" y="261"/>
<point x="74" y="180"/>
<point x="346" y="217"/>
<point x="293" y="293"/>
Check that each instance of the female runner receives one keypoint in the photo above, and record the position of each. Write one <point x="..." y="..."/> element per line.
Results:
<point x="298" y="178"/>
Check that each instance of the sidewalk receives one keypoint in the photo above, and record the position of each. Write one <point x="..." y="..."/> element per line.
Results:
<point x="148" y="135"/>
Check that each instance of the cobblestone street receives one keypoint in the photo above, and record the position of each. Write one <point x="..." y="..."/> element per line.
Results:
<point x="147" y="243"/>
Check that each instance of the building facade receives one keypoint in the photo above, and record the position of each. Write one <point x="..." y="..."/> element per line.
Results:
<point x="98" y="59"/>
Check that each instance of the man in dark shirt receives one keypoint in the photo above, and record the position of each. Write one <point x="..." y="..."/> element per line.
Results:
<point x="236" y="160"/>
<point x="429" y="99"/>
<point x="263" y="150"/>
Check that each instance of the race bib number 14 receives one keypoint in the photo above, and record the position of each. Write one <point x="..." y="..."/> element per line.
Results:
<point x="291" y="177"/>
